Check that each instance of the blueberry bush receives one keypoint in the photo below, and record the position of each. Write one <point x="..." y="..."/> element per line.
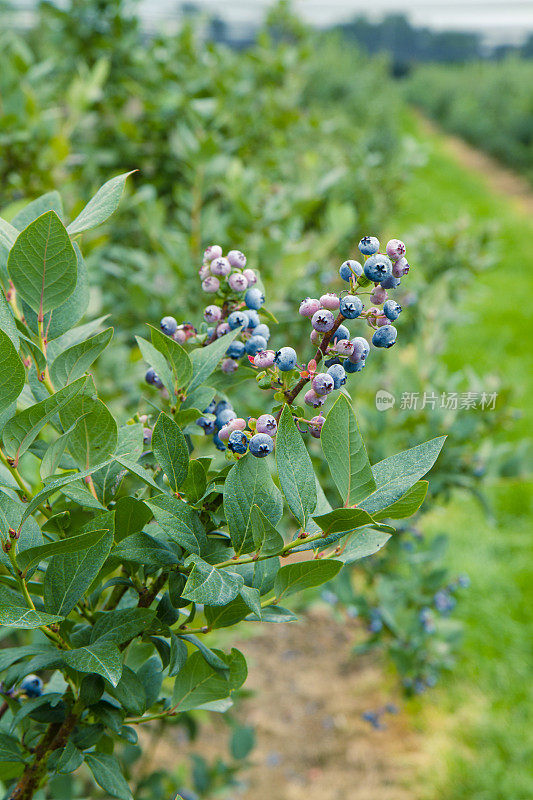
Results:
<point x="126" y="543"/>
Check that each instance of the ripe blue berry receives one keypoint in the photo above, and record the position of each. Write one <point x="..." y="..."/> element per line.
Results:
<point x="390" y="282"/>
<point x="32" y="686"/>
<point x="255" y="344"/>
<point x="392" y="310"/>
<point x="342" y="332"/>
<point x="323" y="320"/>
<point x="338" y="373"/>
<point x="238" y="319"/>
<point x="369" y="245"/>
<point x="286" y="359"/>
<point x="385" y="336"/>
<point x="266" y="423"/>
<point x="350" y="269"/>
<point x="238" y="442"/>
<point x="235" y="350"/>
<point x="253" y="318"/>
<point x="378" y="267"/>
<point x="261" y="444"/>
<point x="153" y="378"/>
<point x="222" y="405"/>
<point x="223" y="417"/>
<point x="323" y="383"/>
<point x="208" y="425"/>
<point x="168" y="325"/>
<point x="262" y="330"/>
<point x="361" y="349"/>
<point x="353" y="366"/>
<point x="219" y="444"/>
<point x="351" y="306"/>
<point x="210" y="408"/>
<point x="254" y="298"/>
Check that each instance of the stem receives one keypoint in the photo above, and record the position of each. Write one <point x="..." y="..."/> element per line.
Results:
<point x="17" y="476"/>
<point x="286" y="550"/>
<point x="170" y="712"/>
<point x="42" y="344"/>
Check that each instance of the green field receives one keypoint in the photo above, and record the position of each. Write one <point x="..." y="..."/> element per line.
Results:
<point x="485" y="710"/>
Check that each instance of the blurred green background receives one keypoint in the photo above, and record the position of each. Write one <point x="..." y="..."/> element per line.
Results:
<point x="290" y="143"/>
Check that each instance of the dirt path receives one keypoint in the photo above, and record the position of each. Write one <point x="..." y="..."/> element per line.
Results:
<point x="499" y="178"/>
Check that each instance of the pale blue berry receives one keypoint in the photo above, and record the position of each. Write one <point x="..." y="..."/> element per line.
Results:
<point x="323" y="320"/>
<point x="235" y="350"/>
<point x="378" y="267"/>
<point x="254" y="298"/>
<point x="342" y="332"/>
<point x="392" y="310"/>
<point x="262" y="330"/>
<point x="338" y="373"/>
<point x="286" y="359"/>
<point x="369" y="245"/>
<point x="350" y="269"/>
<point x="390" y="282"/>
<point x="351" y="306"/>
<point x="253" y="318"/>
<point x="32" y="686"/>
<point x="261" y="444"/>
<point x="255" y="344"/>
<point x="238" y="319"/>
<point x="385" y="336"/>
<point x="168" y="325"/>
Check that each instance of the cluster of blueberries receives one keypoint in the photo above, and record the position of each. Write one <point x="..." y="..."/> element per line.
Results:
<point x="255" y="435"/>
<point x="374" y="717"/>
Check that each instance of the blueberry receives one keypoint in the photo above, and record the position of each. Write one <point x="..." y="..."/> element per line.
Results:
<point x="238" y="319"/>
<point x="211" y="314"/>
<point x="222" y="405"/>
<point x="147" y="435"/>
<point x="352" y="366"/>
<point x="211" y="284"/>
<point x="264" y="359"/>
<point x="392" y="310"/>
<point x="350" y="269"/>
<point x="311" y="398"/>
<point x="255" y="344"/>
<point x="286" y="359"/>
<point x="350" y="306"/>
<point x="330" y="301"/>
<point x="369" y="245"/>
<point x="344" y="347"/>
<point x="390" y="282"/>
<point x="463" y="581"/>
<point x="330" y="361"/>
<point x="323" y="320"/>
<point x="253" y="319"/>
<point x="235" y="350"/>
<point x="254" y="298"/>
<point x="208" y="425"/>
<point x="32" y="686"/>
<point x="361" y="349"/>
<point x="220" y="267"/>
<point x="168" y="325"/>
<point x="338" y="373"/>
<point x="224" y="416"/>
<point x="309" y="306"/>
<point x="153" y="378"/>
<point x="400" y="268"/>
<point x="323" y="383"/>
<point x="315" y="427"/>
<point x="237" y="259"/>
<point x="238" y="442"/>
<point x="261" y="444"/>
<point x="210" y="408"/>
<point x="378" y="267"/>
<point x="219" y="444"/>
<point x="262" y="330"/>
<point x="266" y="423"/>
<point x="229" y="365"/>
<point x="250" y="276"/>
<point x="238" y="282"/>
<point x="385" y="336"/>
<point x="214" y="251"/>
<point x="395" y="249"/>
<point x="342" y="332"/>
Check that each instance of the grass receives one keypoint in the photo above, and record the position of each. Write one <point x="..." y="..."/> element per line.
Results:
<point x="481" y="722"/>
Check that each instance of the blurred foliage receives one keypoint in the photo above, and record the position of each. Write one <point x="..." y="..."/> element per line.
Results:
<point x="489" y="104"/>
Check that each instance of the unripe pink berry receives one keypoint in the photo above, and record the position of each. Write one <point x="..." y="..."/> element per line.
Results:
<point x="229" y="365"/>
<point x="395" y="249"/>
<point x="309" y="306"/>
<point x="250" y="276"/>
<point x="344" y="347"/>
<point x="264" y="359"/>
<point x="315" y="426"/>
<point x="222" y="329"/>
<point x="204" y="272"/>
<point x="212" y="313"/>
<point x="330" y="301"/>
<point x="315" y="337"/>
<point x="266" y="423"/>
<point x="220" y="266"/>
<point x="382" y="320"/>
<point x="313" y="399"/>
<point x="225" y="432"/>
<point x="214" y="251"/>
<point x="400" y="268"/>
<point x="236" y="259"/>
<point x="323" y="320"/>
<point x="379" y="295"/>
<point x="239" y="424"/>
<point x="211" y="284"/>
<point x="238" y="282"/>
<point x="179" y="336"/>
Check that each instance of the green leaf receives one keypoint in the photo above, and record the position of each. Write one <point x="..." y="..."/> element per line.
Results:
<point x="121" y="625"/>
<point x="129" y="691"/>
<point x="206" y="584"/>
<point x="43" y="264"/>
<point x="345" y="453"/>
<point x="69" y="575"/>
<point x="195" y="484"/>
<point x="54" y="453"/>
<point x="107" y="774"/>
<point x="303" y="575"/>
<point x="12" y="373"/>
<point x="55" y="485"/>
<point x="51" y="201"/>
<point x="141" y="548"/>
<point x="10" y="517"/>
<point x="136" y="469"/>
<point x="267" y="539"/>
<point x="155" y="359"/>
<point x="171" y="451"/>
<point x="57" y="322"/>
<point x="295" y="470"/>
<point x="102" y="657"/>
<point x="407" y="504"/>
<point x="10" y="749"/>
<point x="23" y="617"/>
<point x="205" y="359"/>
<point x="130" y="445"/>
<point x="208" y="655"/>
<point x="72" y="544"/>
<point x="23" y="429"/>
<point x="342" y="520"/>
<point x="74" y="362"/>
<point x="179" y="521"/>
<point x="8" y="234"/>
<point x="198" y="684"/>
<point x="178" y="655"/>
<point x="7" y="321"/>
<point x="95" y="438"/>
<point x="362" y="544"/>
<point x="131" y="515"/>
<point x="227" y="615"/>
<point x="249" y="483"/>
<point x="175" y="354"/>
<point x="396" y="474"/>
<point x="277" y="614"/>
<point x="100" y="207"/>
